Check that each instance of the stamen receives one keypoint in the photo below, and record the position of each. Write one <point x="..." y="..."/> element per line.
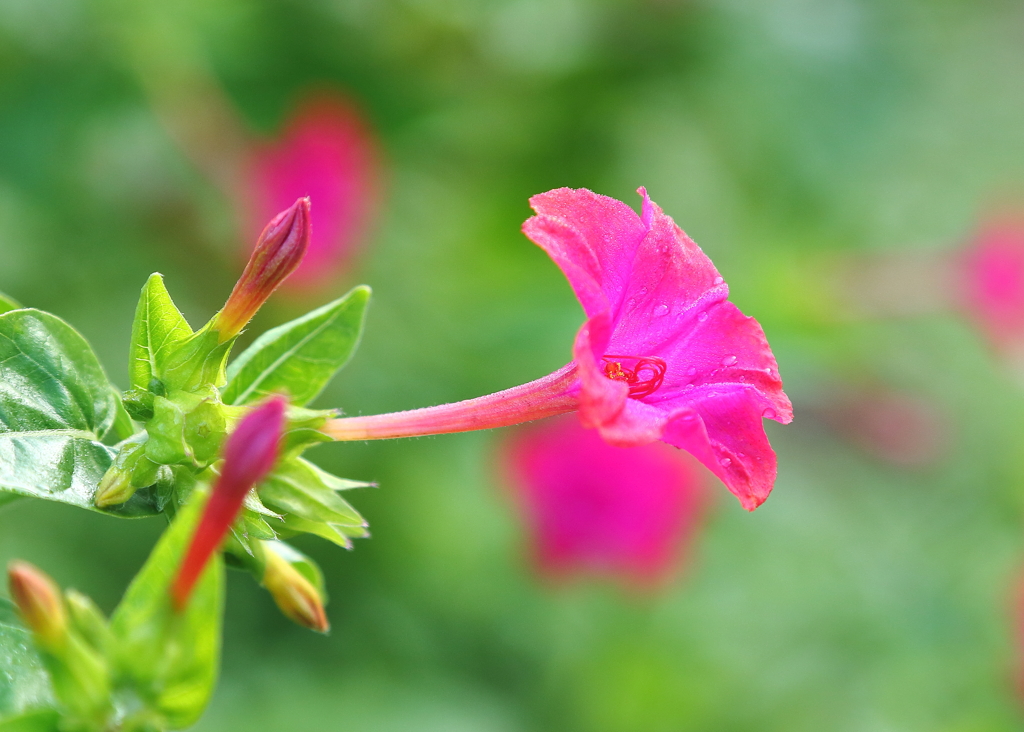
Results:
<point x="644" y="378"/>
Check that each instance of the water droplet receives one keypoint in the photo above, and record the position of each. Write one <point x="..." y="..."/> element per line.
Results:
<point x="692" y="371"/>
<point x="712" y="393"/>
<point x="702" y="316"/>
<point x="768" y="413"/>
<point x="661" y="310"/>
<point x="643" y="290"/>
<point x="719" y="280"/>
<point x="729" y="360"/>
<point x="688" y="386"/>
<point x="725" y="462"/>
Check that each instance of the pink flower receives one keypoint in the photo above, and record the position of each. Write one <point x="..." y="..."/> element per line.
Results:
<point x="249" y="455"/>
<point x="593" y="507"/>
<point x="326" y="152"/>
<point x="663" y="354"/>
<point x="993" y="282"/>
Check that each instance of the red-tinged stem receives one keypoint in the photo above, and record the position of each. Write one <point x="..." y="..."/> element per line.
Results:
<point x="553" y="394"/>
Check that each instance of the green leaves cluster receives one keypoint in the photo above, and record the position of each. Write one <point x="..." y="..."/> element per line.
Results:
<point x="149" y="667"/>
<point x="68" y="435"/>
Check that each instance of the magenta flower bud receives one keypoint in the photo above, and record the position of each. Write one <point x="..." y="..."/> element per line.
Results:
<point x="40" y="603"/>
<point x="278" y="252"/>
<point x="249" y="455"/>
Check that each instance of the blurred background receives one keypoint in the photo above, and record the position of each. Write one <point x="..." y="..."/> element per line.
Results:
<point x="839" y="160"/>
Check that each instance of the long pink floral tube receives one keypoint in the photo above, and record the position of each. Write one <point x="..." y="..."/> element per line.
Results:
<point x="553" y="394"/>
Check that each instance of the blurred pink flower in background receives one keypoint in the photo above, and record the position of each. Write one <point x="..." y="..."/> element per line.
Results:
<point x="993" y="282"/>
<point x="327" y="151"/>
<point x="592" y="508"/>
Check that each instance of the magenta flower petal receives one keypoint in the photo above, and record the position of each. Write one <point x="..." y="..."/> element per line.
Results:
<point x="592" y="238"/>
<point x="591" y="507"/>
<point x="328" y="153"/>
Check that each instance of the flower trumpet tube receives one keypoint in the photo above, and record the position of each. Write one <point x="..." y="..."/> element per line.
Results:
<point x="553" y="394"/>
<point x="663" y="354"/>
<point x="278" y="252"/>
<point x="249" y="455"/>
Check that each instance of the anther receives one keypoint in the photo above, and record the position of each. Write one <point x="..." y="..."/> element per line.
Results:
<point x="644" y="375"/>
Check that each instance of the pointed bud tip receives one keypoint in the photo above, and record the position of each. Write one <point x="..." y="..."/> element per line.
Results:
<point x="295" y="596"/>
<point x="39" y="601"/>
<point x="278" y="252"/>
<point x="114" y="489"/>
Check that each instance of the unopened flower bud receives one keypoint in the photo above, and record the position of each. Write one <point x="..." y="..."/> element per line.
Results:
<point x="295" y="595"/>
<point x="278" y="252"/>
<point x="40" y="603"/>
<point x="249" y="455"/>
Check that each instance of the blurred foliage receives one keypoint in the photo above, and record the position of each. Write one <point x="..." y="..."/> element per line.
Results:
<point x="859" y="597"/>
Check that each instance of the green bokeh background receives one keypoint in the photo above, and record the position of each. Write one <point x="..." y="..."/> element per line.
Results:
<point x="860" y="597"/>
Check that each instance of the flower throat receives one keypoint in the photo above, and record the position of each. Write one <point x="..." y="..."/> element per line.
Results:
<point x="644" y="378"/>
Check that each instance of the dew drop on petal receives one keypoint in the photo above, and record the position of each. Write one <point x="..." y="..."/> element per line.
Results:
<point x="661" y="310"/>
<point x="702" y="316"/>
<point x="729" y="360"/>
<point x="643" y="290"/>
<point x="719" y="280"/>
<point x="768" y="413"/>
<point x="725" y="462"/>
<point x="692" y="371"/>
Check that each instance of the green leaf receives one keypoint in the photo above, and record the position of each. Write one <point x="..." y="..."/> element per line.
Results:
<point x="40" y="720"/>
<point x="170" y="657"/>
<point x="300" y="357"/>
<point x="7" y="303"/>
<point x="299" y="487"/>
<point x="159" y="328"/>
<point x="24" y="684"/>
<point x="55" y="405"/>
<point x="60" y="465"/>
<point x="49" y="377"/>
